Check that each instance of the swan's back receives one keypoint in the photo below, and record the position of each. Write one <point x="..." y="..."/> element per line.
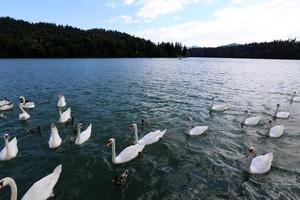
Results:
<point x="276" y="131"/>
<point x="84" y="136"/>
<point x="129" y="153"/>
<point x="261" y="164"/>
<point x="29" y="105"/>
<point x="198" y="130"/>
<point x="43" y="189"/>
<point x="152" y="137"/>
<point x="54" y="140"/>
<point x="7" y="107"/>
<point x="252" y="120"/>
<point x="65" y="116"/>
<point x="283" y="115"/>
<point x="219" y="107"/>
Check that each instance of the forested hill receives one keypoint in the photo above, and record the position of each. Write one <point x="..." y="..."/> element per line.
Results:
<point x="21" y="39"/>
<point x="288" y="49"/>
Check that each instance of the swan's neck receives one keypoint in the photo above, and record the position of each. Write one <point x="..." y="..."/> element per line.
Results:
<point x="212" y="103"/>
<point x="269" y="129"/>
<point x="275" y="114"/>
<point x="250" y="158"/>
<point x="12" y="184"/>
<point x="136" y="135"/>
<point x="113" y="152"/>
<point x="21" y="108"/>
<point x="189" y="126"/>
<point x="78" y="131"/>
<point x="246" y="116"/>
<point x="8" y="152"/>
<point x="54" y="132"/>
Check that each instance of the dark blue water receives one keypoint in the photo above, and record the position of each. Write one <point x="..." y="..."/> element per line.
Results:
<point x="113" y="93"/>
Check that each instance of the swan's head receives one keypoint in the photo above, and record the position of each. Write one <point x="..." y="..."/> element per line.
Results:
<point x="278" y="105"/>
<point x="246" y="111"/>
<point x="189" y="119"/>
<point x="52" y="125"/>
<point x="22" y="99"/>
<point x="79" y="125"/>
<point x="270" y="121"/>
<point x="251" y="150"/>
<point x="212" y="98"/>
<point x="60" y="109"/>
<point x="294" y="93"/>
<point x="132" y="126"/>
<point x="110" y="142"/>
<point x="1" y="184"/>
<point x="6" y="136"/>
<point x="5" y="98"/>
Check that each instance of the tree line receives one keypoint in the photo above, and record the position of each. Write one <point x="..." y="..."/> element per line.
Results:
<point x="21" y="39"/>
<point x="278" y="49"/>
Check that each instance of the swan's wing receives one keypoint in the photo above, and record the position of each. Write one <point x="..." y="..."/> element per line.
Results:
<point x="3" y="153"/>
<point x="4" y="102"/>
<point x="85" y="135"/>
<point x="276" y="131"/>
<point x="152" y="137"/>
<point x="7" y="107"/>
<point x="261" y="164"/>
<point x="198" y="130"/>
<point x="54" y="140"/>
<point x="42" y="189"/>
<point x="283" y="114"/>
<point x="129" y="153"/>
<point x="29" y="105"/>
<point x="13" y="144"/>
<point x="66" y="115"/>
<point x="252" y="120"/>
<point x="220" y="107"/>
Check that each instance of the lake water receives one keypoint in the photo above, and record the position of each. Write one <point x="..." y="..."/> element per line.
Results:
<point x="113" y="93"/>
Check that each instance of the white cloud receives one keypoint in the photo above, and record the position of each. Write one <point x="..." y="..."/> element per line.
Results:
<point x="129" y="2"/>
<point x="126" y="19"/>
<point x="155" y="8"/>
<point x="241" y="23"/>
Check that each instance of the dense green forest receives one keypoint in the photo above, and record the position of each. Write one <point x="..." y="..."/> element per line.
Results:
<point x="21" y="39"/>
<point x="278" y="49"/>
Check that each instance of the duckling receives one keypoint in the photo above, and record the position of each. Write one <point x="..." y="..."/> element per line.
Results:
<point x="34" y="131"/>
<point x="145" y="122"/>
<point x="122" y="179"/>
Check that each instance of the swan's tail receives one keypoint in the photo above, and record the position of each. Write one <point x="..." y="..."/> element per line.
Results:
<point x="271" y="157"/>
<point x="163" y="132"/>
<point x="58" y="170"/>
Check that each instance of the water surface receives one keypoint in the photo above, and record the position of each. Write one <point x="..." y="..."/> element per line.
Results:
<point x="113" y="93"/>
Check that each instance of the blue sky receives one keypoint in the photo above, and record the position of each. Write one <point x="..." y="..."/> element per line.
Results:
<point x="192" y="22"/>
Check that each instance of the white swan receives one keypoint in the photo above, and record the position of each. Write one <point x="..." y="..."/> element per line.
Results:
<point x="28" y="104"/>
<point x="275" y="131"/>
<point x="250" y="121"/>
<point x="4" y="102"/>
<point x="7" y="107"/>
<point x="260" y="164"/>
<point x="294" y="98"/>
<point x="127" y="154"/>
<point x="40" y="190"/>
<point x="54" y="140"/>
<point x="64" y="116"/>
<point x="24" y="115"/>
<point x="84" y="135"/>
<point x="281" y="115"/>
<point x="62" y="101"/>
<point x="197" y="130"/>
<point x="149" y="138"/>
<point x="219" y="107"/>
<point x="10" y="150"/>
